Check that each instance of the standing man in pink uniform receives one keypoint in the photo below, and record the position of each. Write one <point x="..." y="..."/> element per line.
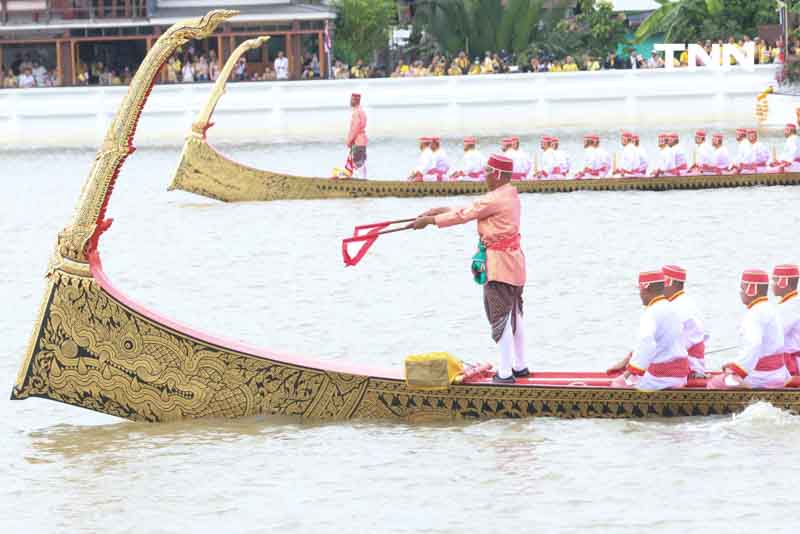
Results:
<point x="498" y="216"/>
<point x="357" y="137"/>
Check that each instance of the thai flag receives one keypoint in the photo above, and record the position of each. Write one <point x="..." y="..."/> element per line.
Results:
<point x="327" y="38"/>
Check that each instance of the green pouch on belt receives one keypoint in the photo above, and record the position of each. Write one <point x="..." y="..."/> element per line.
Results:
<point x="478" y="266"/>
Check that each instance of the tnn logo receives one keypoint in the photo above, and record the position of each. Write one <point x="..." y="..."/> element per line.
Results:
<point x="718" y="59"/>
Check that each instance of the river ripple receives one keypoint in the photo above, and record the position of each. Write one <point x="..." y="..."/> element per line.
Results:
<point x="271" y="275"/>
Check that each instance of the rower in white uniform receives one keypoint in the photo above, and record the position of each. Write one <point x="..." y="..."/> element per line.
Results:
<point x="472" y="169"/>
<point x="424" y="163"/>
<point x="761" y="361"/>
<point x="678" y="156"/>
<point x="440" y="162"/>
<point x="641" y="157"/>
<point x="522" y="161"/>
<point x="789" y="158"/>
<point x="703" y="153"/>
<point x="742" y="156"/>
<point x="660" y="360"/>
<point x="720" y="159"/>
<point x="694" y="332"/>
<point x="784" y="286"/>
<point x="547" y="159"/>
<point x="562" y="163"/>
<point x="759" y="154"/>
<point x="629" y="158"/>
<point x="663" y="161"/>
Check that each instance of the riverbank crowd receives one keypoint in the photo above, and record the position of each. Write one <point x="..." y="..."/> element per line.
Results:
<point x="707" y="155"/>
<point x="196" y="66"/>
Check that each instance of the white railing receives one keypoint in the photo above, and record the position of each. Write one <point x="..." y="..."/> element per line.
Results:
<point x="318" y="110"/>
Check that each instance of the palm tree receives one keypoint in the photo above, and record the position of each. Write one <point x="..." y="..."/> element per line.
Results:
<point x="478" y="26"/>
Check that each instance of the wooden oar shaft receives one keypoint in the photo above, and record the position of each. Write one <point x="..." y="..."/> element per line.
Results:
<point x="395" y="230"/>
<point x="723" y="349"/>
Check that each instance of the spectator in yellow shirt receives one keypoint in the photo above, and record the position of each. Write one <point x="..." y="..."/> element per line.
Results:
<point x="556" y="67"/>
<point x="569" y="66"/>
<point x="475" y="68"/>
<point x="462" y="62"/>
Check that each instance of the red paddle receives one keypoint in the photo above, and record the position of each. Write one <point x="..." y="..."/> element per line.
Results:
<point x="367" y="234"/>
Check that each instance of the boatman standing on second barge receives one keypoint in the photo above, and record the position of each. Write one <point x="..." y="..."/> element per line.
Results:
<point x="503" y="279"/>
<point x="357" y="137"/>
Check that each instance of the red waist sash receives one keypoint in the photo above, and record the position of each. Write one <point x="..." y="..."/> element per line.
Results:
<point x="773" y="362"/>
<point x="790" y="359"/>
<point x="509" y="243"/>
<point x="698" y="351"/>
<point x="677" y="368"/>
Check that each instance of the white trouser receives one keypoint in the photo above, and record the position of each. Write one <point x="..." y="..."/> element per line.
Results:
<point x="360" y="172"/>
<point x="512" y="348"/>
<point x="648" y="382"/>
<point x="768" y="379"/>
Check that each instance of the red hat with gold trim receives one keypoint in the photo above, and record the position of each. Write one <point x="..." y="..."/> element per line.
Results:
<point x="425" y="139"/>
<point x="470" y="141"/>
<point x="626" y="135"/>
<point x="635" y="138"/>
<point x="792" y="127"/>
<point x="435" y="139"/>
<point x="554" y="140"/>
<point x="718" y="136"/>
<point x="506" y="141"/>
<point x="782" y="273"/>
<point x="752" y="131"/>
<point x="700" y="133"/>
<point x="751" y="279"/>
<point x="650" y="277"/>
<point x="673" y="273"/>
<point x="500" y="163"/>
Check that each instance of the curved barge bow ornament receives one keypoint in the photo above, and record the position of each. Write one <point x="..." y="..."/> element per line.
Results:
<point x="94" y="348"/>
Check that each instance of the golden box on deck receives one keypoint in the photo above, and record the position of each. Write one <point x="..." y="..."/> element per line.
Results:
<point x="432" y="371"/>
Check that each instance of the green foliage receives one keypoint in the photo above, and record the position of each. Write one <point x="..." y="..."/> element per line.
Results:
<point x="687" y="21"/>
<point x="478" y="26"/>
<point x="362" y="27"/>
<point x="602" y="28"/>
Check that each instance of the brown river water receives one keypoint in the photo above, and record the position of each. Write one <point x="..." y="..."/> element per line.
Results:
<point x="271" y="274"/>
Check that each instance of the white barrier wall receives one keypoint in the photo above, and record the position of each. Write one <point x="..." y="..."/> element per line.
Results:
<point x="318" y="110"/>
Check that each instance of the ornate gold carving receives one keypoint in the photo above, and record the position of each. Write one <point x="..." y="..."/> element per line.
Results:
<point x="89" y="212"/>
<point x="203" y="121"/>
<point x="91" y="351"/>
<point x="203" y="171"/>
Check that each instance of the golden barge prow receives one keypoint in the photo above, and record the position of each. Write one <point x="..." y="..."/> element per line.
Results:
<point x="93" y="347"/>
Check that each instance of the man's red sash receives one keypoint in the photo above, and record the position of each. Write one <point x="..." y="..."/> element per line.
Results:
<point x="698" y="351"/>
<point x="773" y="362"/>
<point x="677" y="368"/>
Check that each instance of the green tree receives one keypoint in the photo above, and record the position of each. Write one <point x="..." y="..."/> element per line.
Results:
<point x="687" y="21"/>
<point x="362" y="27"/>
<point x="603" y="29"/>
<point x="478" y="26"/>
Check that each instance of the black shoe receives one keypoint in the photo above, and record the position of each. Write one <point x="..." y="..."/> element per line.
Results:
<point x="497" y="380"/>
<point x="521" y="373"/>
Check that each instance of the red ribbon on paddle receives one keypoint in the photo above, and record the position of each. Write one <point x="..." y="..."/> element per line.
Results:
<point x="367" y="234"/>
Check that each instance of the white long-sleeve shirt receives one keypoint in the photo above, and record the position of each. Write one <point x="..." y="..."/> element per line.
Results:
<point x="694" y="331"/>
<point x="660" y="336"/>
<point x="704" y="155"/>
<point x="603" y="159"/>
<point x="425" y="162"/>
<point x="562" y="160"/>
<point x="473" y="165"/>
<point x="629" y="160"/>
<point x="790" y="149"/>
<point x="440" y="162"/>
<point x="743" y="152"/>
<point x="522" y="162"/>
<point x="789" y="314"/>
<point x="665" y="160"/>
<point x="759" y="153"/>
<point x="761" y="335"/>
<point x="721" y="158"/>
